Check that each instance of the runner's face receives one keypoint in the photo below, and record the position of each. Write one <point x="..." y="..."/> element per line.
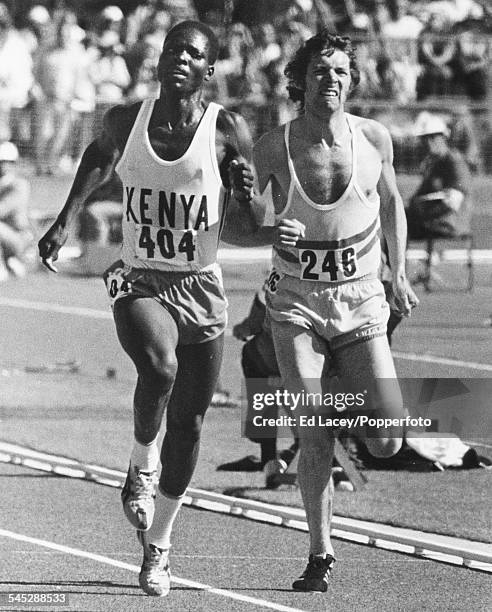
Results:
<point x="328" y="81"/>
<point x="183" y="64"/>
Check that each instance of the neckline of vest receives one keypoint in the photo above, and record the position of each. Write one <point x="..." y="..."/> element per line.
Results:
<point x="146" y="120"/>
<point x="297" y="183"/>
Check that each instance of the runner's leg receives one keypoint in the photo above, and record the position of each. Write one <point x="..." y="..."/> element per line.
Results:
<point x="301" y="356"/>
<point x="148" y="333"/>
<point x="196" y="379"/>
<point x="369" y="366"/>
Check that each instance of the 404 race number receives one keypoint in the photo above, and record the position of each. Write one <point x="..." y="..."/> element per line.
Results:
<point x="161" y="244"/>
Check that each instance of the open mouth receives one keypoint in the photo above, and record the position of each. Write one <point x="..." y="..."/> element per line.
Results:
<point x="329" y="93"/>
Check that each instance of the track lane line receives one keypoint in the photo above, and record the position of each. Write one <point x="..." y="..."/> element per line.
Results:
<point x="134" y="568"/>
<point x="95" y="313"/>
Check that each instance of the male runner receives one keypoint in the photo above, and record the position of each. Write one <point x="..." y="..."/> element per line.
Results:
<point x="333" y="185"/>
<point x="173" y="156"/>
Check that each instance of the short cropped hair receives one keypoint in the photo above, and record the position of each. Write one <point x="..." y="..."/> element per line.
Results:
<point x="213" y="43"/>
<point x="296" y="69"/>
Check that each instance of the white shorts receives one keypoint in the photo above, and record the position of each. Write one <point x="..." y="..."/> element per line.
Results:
<point x="342" y="313"/>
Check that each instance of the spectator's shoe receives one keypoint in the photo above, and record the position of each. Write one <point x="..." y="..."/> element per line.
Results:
<point x="155" y="575"/>
<point x="316" y="575"/>
<point x="272" y="469"/>
<point x="340" y="479"/>
<point x="246" y="464"/>
<point x="138" y="497"/>
<point x="288" y="454"/>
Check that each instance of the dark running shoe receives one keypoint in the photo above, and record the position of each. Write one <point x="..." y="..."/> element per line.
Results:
<point x="246" y="464"/>
<point x="315" y="576"/>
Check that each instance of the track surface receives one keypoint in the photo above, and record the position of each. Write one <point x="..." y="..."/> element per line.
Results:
<point x="245" y="558"/>
<point x="248" y="559"/>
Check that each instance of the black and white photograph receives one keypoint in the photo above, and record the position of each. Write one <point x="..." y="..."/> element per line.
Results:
<point x="246" y="287"/>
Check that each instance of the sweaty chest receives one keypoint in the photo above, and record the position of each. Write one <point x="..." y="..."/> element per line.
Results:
<point x="323" y="175"/>
<point x="170" y="145"/>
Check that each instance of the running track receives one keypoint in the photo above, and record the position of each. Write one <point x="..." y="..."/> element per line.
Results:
<point x="236" y="558"/>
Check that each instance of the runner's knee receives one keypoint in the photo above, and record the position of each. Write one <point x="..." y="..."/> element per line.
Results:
<point x="383" y="447"/>
<point x="157" y="370"/>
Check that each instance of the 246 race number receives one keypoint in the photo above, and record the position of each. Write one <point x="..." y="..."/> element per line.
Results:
<point x="327" y="266"/>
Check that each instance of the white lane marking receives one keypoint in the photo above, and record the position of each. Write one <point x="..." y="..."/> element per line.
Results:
<point x="134" y="568"/>
<point x="477" y="443"/>
<point x="103" y="314"/>
<point x="458" y="551"/>
<point x="50" y="307"/>
<point x="469" y="365"/>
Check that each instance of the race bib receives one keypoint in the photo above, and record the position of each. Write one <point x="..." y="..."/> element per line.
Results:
<point x="117" y="284"/>
<point x="175" y="247"/>
<point x="328" y="266"/>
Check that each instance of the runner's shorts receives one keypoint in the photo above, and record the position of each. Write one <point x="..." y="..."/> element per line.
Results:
<point x="342" y="313"/>
<point x="195" y="300"/>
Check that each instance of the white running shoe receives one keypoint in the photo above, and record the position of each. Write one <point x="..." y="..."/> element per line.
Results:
<point x="138" y="497"/>
<point x="155" y="575"/>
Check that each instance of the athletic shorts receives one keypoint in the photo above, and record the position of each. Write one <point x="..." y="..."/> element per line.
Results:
<point x="342" y="313"/>
<point x="195" y="300"/>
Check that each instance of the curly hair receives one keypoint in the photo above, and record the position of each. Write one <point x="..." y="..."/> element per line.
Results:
<point x="324" y="41"/>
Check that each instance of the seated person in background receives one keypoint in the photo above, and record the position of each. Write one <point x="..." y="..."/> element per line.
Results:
<point x="440" y="207"/>
<point x="436" y="53"/>
<point x="15" y="228"/>
<point x="472" y="60"/>
<point x="462" y="136"/>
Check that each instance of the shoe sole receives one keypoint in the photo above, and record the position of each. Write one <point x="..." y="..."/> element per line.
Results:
<point x="151" y="591"/>
<point x="306" y="589"/>
<point x="138" y="519"/>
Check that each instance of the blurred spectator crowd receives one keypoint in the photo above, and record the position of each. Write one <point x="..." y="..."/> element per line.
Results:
<point x="62" y="64"/>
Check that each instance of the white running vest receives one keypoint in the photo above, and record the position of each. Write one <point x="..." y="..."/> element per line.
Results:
<point x="341" y="241"/>
<point x="173" y="211"/>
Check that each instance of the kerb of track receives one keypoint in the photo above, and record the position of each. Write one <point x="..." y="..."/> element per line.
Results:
<point x="446" y="549"/>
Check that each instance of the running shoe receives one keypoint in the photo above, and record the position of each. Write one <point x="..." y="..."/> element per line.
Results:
<point x="155" y="575"/>
<point x="138" y="497"/>
<point x="272" y="469"/>
<point x="246" y="464"/>
<point x="315" y="576"/>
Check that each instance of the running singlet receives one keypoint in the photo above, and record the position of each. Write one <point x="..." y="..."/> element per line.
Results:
<point x="172" y="210"/>
<point x="341" y="241"/>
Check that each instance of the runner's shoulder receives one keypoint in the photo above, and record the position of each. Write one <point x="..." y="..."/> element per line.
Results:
<point x="270" y="148"/>
<point x="375" y="132"/>
<point x="230" y="123"/>
<point x="119" y="121"/>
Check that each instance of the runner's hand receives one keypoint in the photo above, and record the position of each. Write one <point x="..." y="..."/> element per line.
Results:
<point x="51" y="243"/>
<point x="403" y="298"/>
<point x="288" y="232"/>
<point x="242" y="180"/>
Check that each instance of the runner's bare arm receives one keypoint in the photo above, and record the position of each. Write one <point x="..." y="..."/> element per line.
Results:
<point x="269" y="156"/>
<point x="244" y="216"/>
<point x="393" y="220"/>
<point x="95" y="170"/>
